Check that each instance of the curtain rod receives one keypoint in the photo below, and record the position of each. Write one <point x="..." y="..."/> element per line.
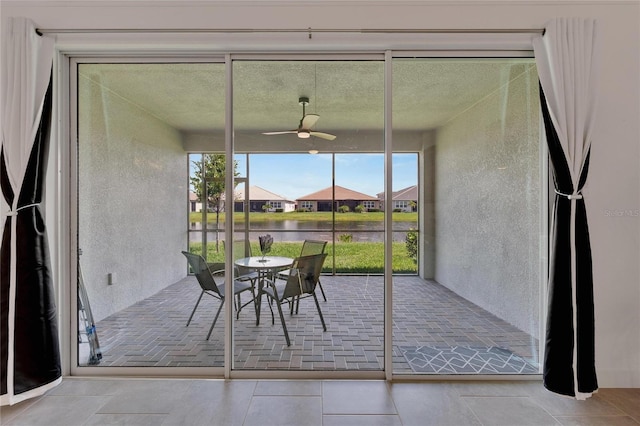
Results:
<point x="309" y="30"/>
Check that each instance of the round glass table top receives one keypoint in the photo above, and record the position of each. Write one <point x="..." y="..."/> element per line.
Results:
<point x="266" y="262"/>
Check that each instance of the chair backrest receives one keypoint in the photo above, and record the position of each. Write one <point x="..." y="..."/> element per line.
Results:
<point x="310" y="247"/>
<point x="241" y="249"/>
<point x="304" y="276"/>
<point x="201" y="271"/>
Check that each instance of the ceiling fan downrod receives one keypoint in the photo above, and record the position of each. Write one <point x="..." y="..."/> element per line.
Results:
<point x="304" y="101"/>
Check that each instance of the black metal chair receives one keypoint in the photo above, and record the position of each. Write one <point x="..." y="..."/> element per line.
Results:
<point x="242" y="249"/>
<point x="309" y="247"/>
<point x="205" y="276"/>
<point x="299" y="283"/>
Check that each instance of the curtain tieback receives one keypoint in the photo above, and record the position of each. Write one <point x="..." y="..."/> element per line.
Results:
<point x="16" y="211"/>
<point x="574" y="196"/>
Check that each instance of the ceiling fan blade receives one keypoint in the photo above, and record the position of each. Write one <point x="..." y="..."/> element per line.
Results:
<point x="280" y="133"/>
<point x="309" y="120"/>
<point x="326" y="136"/>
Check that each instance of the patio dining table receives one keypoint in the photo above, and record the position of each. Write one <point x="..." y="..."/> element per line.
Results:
<point x="265" y="266"/>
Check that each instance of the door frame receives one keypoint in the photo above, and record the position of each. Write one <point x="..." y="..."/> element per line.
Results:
<point x="64" y="220"/>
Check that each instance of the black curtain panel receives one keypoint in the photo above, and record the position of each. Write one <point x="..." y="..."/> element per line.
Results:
<point x="569" y="362"/>
<point x="36" y="355"/>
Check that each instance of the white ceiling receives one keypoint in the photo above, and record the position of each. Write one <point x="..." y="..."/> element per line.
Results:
<point x="348" y="95"/>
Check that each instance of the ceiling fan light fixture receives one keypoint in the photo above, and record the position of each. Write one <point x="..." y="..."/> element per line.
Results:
<point x="304" y="134"/>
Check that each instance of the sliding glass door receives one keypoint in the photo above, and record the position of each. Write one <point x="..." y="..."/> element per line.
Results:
<point x="310" y="134"/>
<point x="303" y="139"/>
<point x="138" y="189"/>
<point x="475" y="307"/>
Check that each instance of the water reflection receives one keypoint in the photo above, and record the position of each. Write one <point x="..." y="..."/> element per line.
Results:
<point x="293" y="230"/>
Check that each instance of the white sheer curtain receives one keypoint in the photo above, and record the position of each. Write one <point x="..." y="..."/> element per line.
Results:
<point x="26" y="71"/>
<point x="26" y="66"/>
<point x="566" y="61"/>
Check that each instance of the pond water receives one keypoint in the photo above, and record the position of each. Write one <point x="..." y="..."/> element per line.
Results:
<point x="293" y="230"/>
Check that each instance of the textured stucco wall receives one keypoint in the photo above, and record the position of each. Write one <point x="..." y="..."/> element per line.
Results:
<point x="488" y="202"/>
<point x="132" y="200"/>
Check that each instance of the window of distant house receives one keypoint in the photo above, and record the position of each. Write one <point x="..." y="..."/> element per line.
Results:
<point x="276" y="204"/>
<point x="368" y="204"/>
<point x="403" y="204"/>
<point x="306" y="205"/>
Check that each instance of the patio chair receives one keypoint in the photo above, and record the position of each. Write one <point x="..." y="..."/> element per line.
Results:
<point x="205" y="276"/>
<point x="309" y="247"/>
<point x="300" y="283"/>
<point x="242" y="249"/>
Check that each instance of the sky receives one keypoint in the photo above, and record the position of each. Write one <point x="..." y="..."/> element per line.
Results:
<point x="295" y="175"/>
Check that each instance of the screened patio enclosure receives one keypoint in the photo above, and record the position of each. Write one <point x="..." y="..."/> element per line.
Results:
<point x="446" y="203"/>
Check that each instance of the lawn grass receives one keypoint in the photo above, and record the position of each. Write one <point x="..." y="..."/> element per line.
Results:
<point x="350" y="258"/>
<point x="308" y="217"/>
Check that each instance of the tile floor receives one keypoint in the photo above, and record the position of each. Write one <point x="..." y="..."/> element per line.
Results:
<point x="84" y="401"/>
<point x="153" y="332"/>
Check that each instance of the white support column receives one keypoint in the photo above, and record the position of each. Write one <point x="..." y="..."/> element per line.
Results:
<point x="228" y="224"/>
<point x="388" y="216"/>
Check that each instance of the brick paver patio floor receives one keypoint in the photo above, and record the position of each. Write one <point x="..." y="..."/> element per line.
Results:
<point x="153" y="332"/>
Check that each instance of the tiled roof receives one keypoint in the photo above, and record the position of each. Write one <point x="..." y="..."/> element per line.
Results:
<point x="341" y="194"/>
<point x="257" y="193"/>
<point x="409" y="194"/>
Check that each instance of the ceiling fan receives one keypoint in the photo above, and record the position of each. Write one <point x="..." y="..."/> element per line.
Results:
<point x="306" y="123"/>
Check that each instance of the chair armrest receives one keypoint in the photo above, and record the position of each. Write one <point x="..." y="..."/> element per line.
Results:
<point x="216" y="268"/>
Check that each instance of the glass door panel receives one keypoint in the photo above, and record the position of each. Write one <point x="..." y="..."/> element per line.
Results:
<point x="299" y="122"/>
<point x="138" y="210"/>
<point x="474" y="308"/>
